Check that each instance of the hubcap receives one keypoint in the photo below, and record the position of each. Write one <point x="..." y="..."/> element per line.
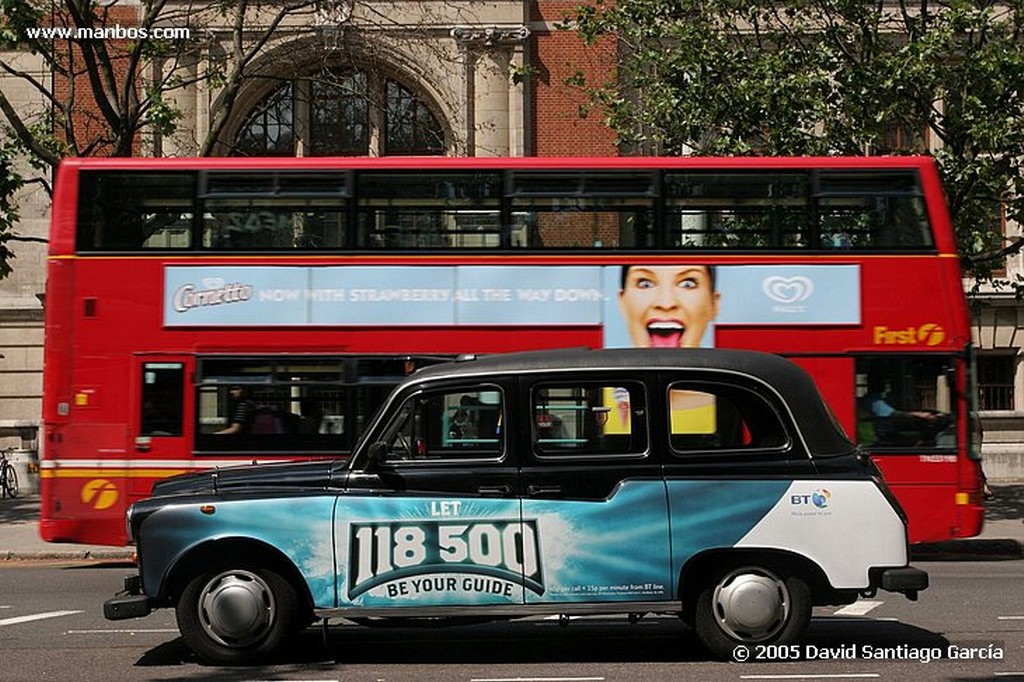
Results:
<point x="751" y="604"/>
<point x="236" y="608"/>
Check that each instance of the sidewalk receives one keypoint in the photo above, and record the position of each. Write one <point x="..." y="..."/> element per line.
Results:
<point x="19" y="537"/>
<point x="1002" y="537"/>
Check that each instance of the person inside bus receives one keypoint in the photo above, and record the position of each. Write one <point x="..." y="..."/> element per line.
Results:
<point x="893" y="426"/>
<point x="668" y="306"/>
<point x="310" y="418"/>
<point x="241" y="409"/>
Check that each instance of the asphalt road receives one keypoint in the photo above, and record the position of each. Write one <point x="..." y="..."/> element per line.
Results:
<point x="52" y="628"/>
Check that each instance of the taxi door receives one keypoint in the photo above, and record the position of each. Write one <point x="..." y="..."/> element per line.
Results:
<point x="593" y="492"/>
<point x="434" y="519"/>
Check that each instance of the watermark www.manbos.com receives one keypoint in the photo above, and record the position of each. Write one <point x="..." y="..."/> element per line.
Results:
<point x="115" y="32"/>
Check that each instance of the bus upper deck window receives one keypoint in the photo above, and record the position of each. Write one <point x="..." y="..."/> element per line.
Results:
<point x="123" y="211"/>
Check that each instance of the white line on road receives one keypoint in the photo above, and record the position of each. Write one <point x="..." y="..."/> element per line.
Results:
<point x="162" y="631"/>
<point x="36" y="616"/>
<point x="812" y="676"/>
<point x="1011" y="617"/>
<point x="859" y="608"/>
<point x="537" y="679"/>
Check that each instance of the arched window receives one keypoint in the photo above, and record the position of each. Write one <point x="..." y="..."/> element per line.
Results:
<point x="352" y="113"/>
<point x="269" y="130"/>
<point x="411" y="128"/>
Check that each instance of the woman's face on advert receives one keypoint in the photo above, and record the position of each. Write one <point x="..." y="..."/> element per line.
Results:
<point x="668" y="306"/>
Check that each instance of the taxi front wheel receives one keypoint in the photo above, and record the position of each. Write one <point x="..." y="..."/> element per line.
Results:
<point x="751" y="605"/>
<point x="237" y="615"/>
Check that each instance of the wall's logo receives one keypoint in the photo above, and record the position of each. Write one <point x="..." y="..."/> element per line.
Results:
<point x="928" y="334"/>
<point x="788" y="290"/>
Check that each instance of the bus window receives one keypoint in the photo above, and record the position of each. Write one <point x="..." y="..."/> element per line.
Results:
<point x="429" y="211"/>
<point x="871" y="211"/>
<point x="905" y="402"/>
<point x="290" y="404"/>
<point x="587" y="209"/>
<point x="163" y="393"/>
<point x="124" y="211"/>
<point x="273" y="224"/>
<point x="737" y="210"/>
<point x="274" y="210"/>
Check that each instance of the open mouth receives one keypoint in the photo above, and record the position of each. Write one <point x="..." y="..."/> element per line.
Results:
<point x="665" y="333"/>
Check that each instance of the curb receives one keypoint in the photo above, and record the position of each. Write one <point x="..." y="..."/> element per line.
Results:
<point x="80" y="555"/>
<point x="968" y="550"/>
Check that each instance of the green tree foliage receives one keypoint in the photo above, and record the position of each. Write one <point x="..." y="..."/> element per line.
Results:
<point x="740" y="77"/>
<point x="10" y="182"/>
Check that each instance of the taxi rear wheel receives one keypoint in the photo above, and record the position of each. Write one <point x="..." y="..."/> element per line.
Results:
<point x="743" y="606"/>
<point x="237" y="615"/>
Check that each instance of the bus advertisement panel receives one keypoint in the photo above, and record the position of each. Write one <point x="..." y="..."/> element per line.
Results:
<point x="209" y="312"/>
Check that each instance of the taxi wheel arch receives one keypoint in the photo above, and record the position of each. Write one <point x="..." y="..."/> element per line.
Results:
<point x="241" y="608"/>
<point x="748" y="598"/>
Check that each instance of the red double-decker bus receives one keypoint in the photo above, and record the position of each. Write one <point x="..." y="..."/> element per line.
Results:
<point x="207" y="312"/>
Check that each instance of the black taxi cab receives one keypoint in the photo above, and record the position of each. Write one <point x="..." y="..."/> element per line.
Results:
<point x="712" y="484"/>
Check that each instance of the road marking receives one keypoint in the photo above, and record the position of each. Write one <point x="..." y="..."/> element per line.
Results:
<point x="859" y="608"/>
<point x="537" y="679"/>
<point x="36" y="616"/>
<point x="162" y="631"/>
<point x="812" y="676"/>
<point x="1000" y="617"/>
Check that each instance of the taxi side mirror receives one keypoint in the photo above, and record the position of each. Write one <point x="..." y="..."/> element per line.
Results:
<point x="376" y="456"/>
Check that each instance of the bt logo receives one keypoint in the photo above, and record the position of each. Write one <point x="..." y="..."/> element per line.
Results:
<point x="818" y="498"/>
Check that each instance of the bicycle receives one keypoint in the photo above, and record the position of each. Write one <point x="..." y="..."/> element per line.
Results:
<point x="8" y="477"/>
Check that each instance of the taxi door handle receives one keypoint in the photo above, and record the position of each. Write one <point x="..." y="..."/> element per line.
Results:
<point x="543" y="489"/>
<point x="494" y="490"/>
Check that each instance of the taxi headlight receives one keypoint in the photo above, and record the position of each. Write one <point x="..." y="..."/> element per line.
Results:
<point x="128" y="523"/>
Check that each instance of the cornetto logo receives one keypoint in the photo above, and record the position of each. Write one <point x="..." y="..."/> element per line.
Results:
<point x="405" y="560"/>
<point x="212" y="292"/>
<point x="928" y="334"/>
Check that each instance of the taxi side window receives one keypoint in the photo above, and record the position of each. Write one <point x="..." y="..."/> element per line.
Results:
<point x="584" y="418"/>
<point x="706" y="416"/>
<point x="453" y="424"/>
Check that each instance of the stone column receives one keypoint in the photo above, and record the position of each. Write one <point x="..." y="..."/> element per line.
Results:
<point x="497" y="101"/>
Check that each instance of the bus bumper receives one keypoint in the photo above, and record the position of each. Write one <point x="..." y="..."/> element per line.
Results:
<point x="131" y="604"/>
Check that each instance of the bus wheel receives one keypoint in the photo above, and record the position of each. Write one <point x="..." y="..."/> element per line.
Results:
<point x="750" y="605"/>
<point x="237" y="615"/>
